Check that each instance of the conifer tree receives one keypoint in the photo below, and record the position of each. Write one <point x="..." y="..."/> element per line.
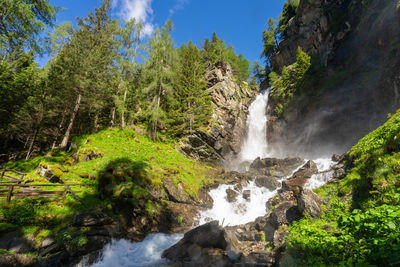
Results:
<point x="195" y="101"/>
<point x="82" y="71"/>
<point x="130" y="45"/>
<point x="158" y="78"/>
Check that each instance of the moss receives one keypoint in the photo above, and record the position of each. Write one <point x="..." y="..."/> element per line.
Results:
<point x="179" y="219"/>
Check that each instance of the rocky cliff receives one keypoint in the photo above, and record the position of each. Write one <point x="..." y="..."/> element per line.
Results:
<point x="223" y="137"/>
<point x="356" y="45"/>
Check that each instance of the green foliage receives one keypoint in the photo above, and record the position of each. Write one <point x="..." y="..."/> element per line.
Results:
<point x="362" y="212"/>
<point x="216" y="51"/>
<point x="290" y="82"/>
<point x="193" y="109"/>
<point x="22" y="21"/>
<point x="158" y="75"/>
<point x="179" y="219"/>
<point x="289" y="12"/>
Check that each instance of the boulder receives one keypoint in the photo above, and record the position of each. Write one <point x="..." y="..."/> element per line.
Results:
<point x="176" y="193"/>
<point x="267" y="181"/>
<point x="84" y="155"/>
<point x="231" y="195"/>
<point x="279" y="168"/>
<point x="246" y="194"/>
<point x="192" y="246"/>
<point x="181" y="217"/>
<point x="299" y="178"/>
<point x="14" y="241"/>
<point x="18" y="260"/>
<point x="283" y="214"/>
<point x="52" y="173"/>
<point x="310" y="203"/>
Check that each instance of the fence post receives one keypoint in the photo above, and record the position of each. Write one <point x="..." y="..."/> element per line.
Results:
<point x="9" y="195"/>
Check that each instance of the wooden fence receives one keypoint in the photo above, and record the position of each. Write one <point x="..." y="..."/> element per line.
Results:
<point x="22" y="191"/>
<point x="17" y="188"/>
<point x="4" y="174"/>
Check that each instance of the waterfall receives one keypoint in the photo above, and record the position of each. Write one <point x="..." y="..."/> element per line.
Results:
<point x="255" y="144"/>
<point x="241" y="211"/>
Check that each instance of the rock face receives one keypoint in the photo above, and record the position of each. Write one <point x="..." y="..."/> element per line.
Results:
<point x="196" y="244"/>
<point x="358" y="45"/>
<point x="223" y="137"/>
<point x="299" y="178"/>
<point x="309" y="202"/>
<point x="275" y="167"/>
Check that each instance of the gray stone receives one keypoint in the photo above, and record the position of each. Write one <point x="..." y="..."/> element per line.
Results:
<point x="246" y="194"/>
<point x="231" y="195"/>
<point x="268" y="182"/>
<point x="310" y="203"/>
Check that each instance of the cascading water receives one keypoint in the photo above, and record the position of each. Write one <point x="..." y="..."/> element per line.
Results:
<point x="255" y="144"/>
<point x="243" y="210"/>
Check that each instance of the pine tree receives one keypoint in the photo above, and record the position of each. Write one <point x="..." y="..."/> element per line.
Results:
<point x="195" y="101"/>
<point x="130" y="44"/>
<point x="158" y="78"/>
<point x="82" y="71"/>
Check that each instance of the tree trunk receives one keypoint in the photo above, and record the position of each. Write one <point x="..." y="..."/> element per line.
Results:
<point x="59" y="129"/>
<point x="155" y="120"/>
<point x="123" y="110"/>
<point x="28" y="154"/>
<point x="71" y="123"/>
<point x="96" y="122"/>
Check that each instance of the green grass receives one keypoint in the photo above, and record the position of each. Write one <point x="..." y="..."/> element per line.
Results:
<point x="131" y="163"/>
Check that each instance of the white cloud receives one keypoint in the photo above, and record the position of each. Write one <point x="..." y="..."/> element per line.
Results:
<point x="179" y="5"/>
<point x="141" y="10"/>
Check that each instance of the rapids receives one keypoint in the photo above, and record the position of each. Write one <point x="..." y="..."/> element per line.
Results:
<point x="148" y="252"/>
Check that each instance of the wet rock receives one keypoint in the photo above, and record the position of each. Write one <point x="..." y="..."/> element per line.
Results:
<point x="310" y="203"/>
<point x="337" y="158"/>
<point x="14" y="241"/>
<point x="283" y="214"/>
<point x="268" y="182"/>
<point x="18" y="260"/>
<point x="231" y="195"/>
<point x="299" y="178"/>
<point x="176" y="193"/>
<point x="275" y="167"/>
<point x="204" y="199"/>
<point x="339" y="171"/>
<point x="238" y="187"/>
<point x="181" y="216"/>
<point x="208" y="236"/>
<point x="91" y="219"/>
<point x="246" y="194"/>
<point x="286" y="196"/>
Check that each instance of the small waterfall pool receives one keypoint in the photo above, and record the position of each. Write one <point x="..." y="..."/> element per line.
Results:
<point x="148" y="252"/>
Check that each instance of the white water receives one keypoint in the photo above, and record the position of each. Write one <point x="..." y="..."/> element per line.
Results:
<point x="239" y="212"/>
<point x="148" y="252"/>
<point x="319" y="179"/>
<point x="123" y="253"/>
<point x="255" y="144"/>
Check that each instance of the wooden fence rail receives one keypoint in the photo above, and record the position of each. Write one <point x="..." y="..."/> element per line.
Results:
<point x="14" y="179"/>
<point x="22" y="191"/>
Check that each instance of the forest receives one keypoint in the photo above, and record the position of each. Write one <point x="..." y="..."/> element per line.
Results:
<point x="102" y="73"/>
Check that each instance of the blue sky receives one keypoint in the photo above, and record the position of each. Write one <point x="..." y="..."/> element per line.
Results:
<point x="239" y="23"/>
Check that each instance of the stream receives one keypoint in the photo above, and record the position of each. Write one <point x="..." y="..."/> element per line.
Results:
<point x="148" y="252"/>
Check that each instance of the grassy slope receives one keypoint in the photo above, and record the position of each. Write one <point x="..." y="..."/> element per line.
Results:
<point x="124" y="152"/>
<point x="360" y="224"/>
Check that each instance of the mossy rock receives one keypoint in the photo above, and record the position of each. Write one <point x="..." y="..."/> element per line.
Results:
<point x="84" y="155"/>
<point x="52" y="173"/>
